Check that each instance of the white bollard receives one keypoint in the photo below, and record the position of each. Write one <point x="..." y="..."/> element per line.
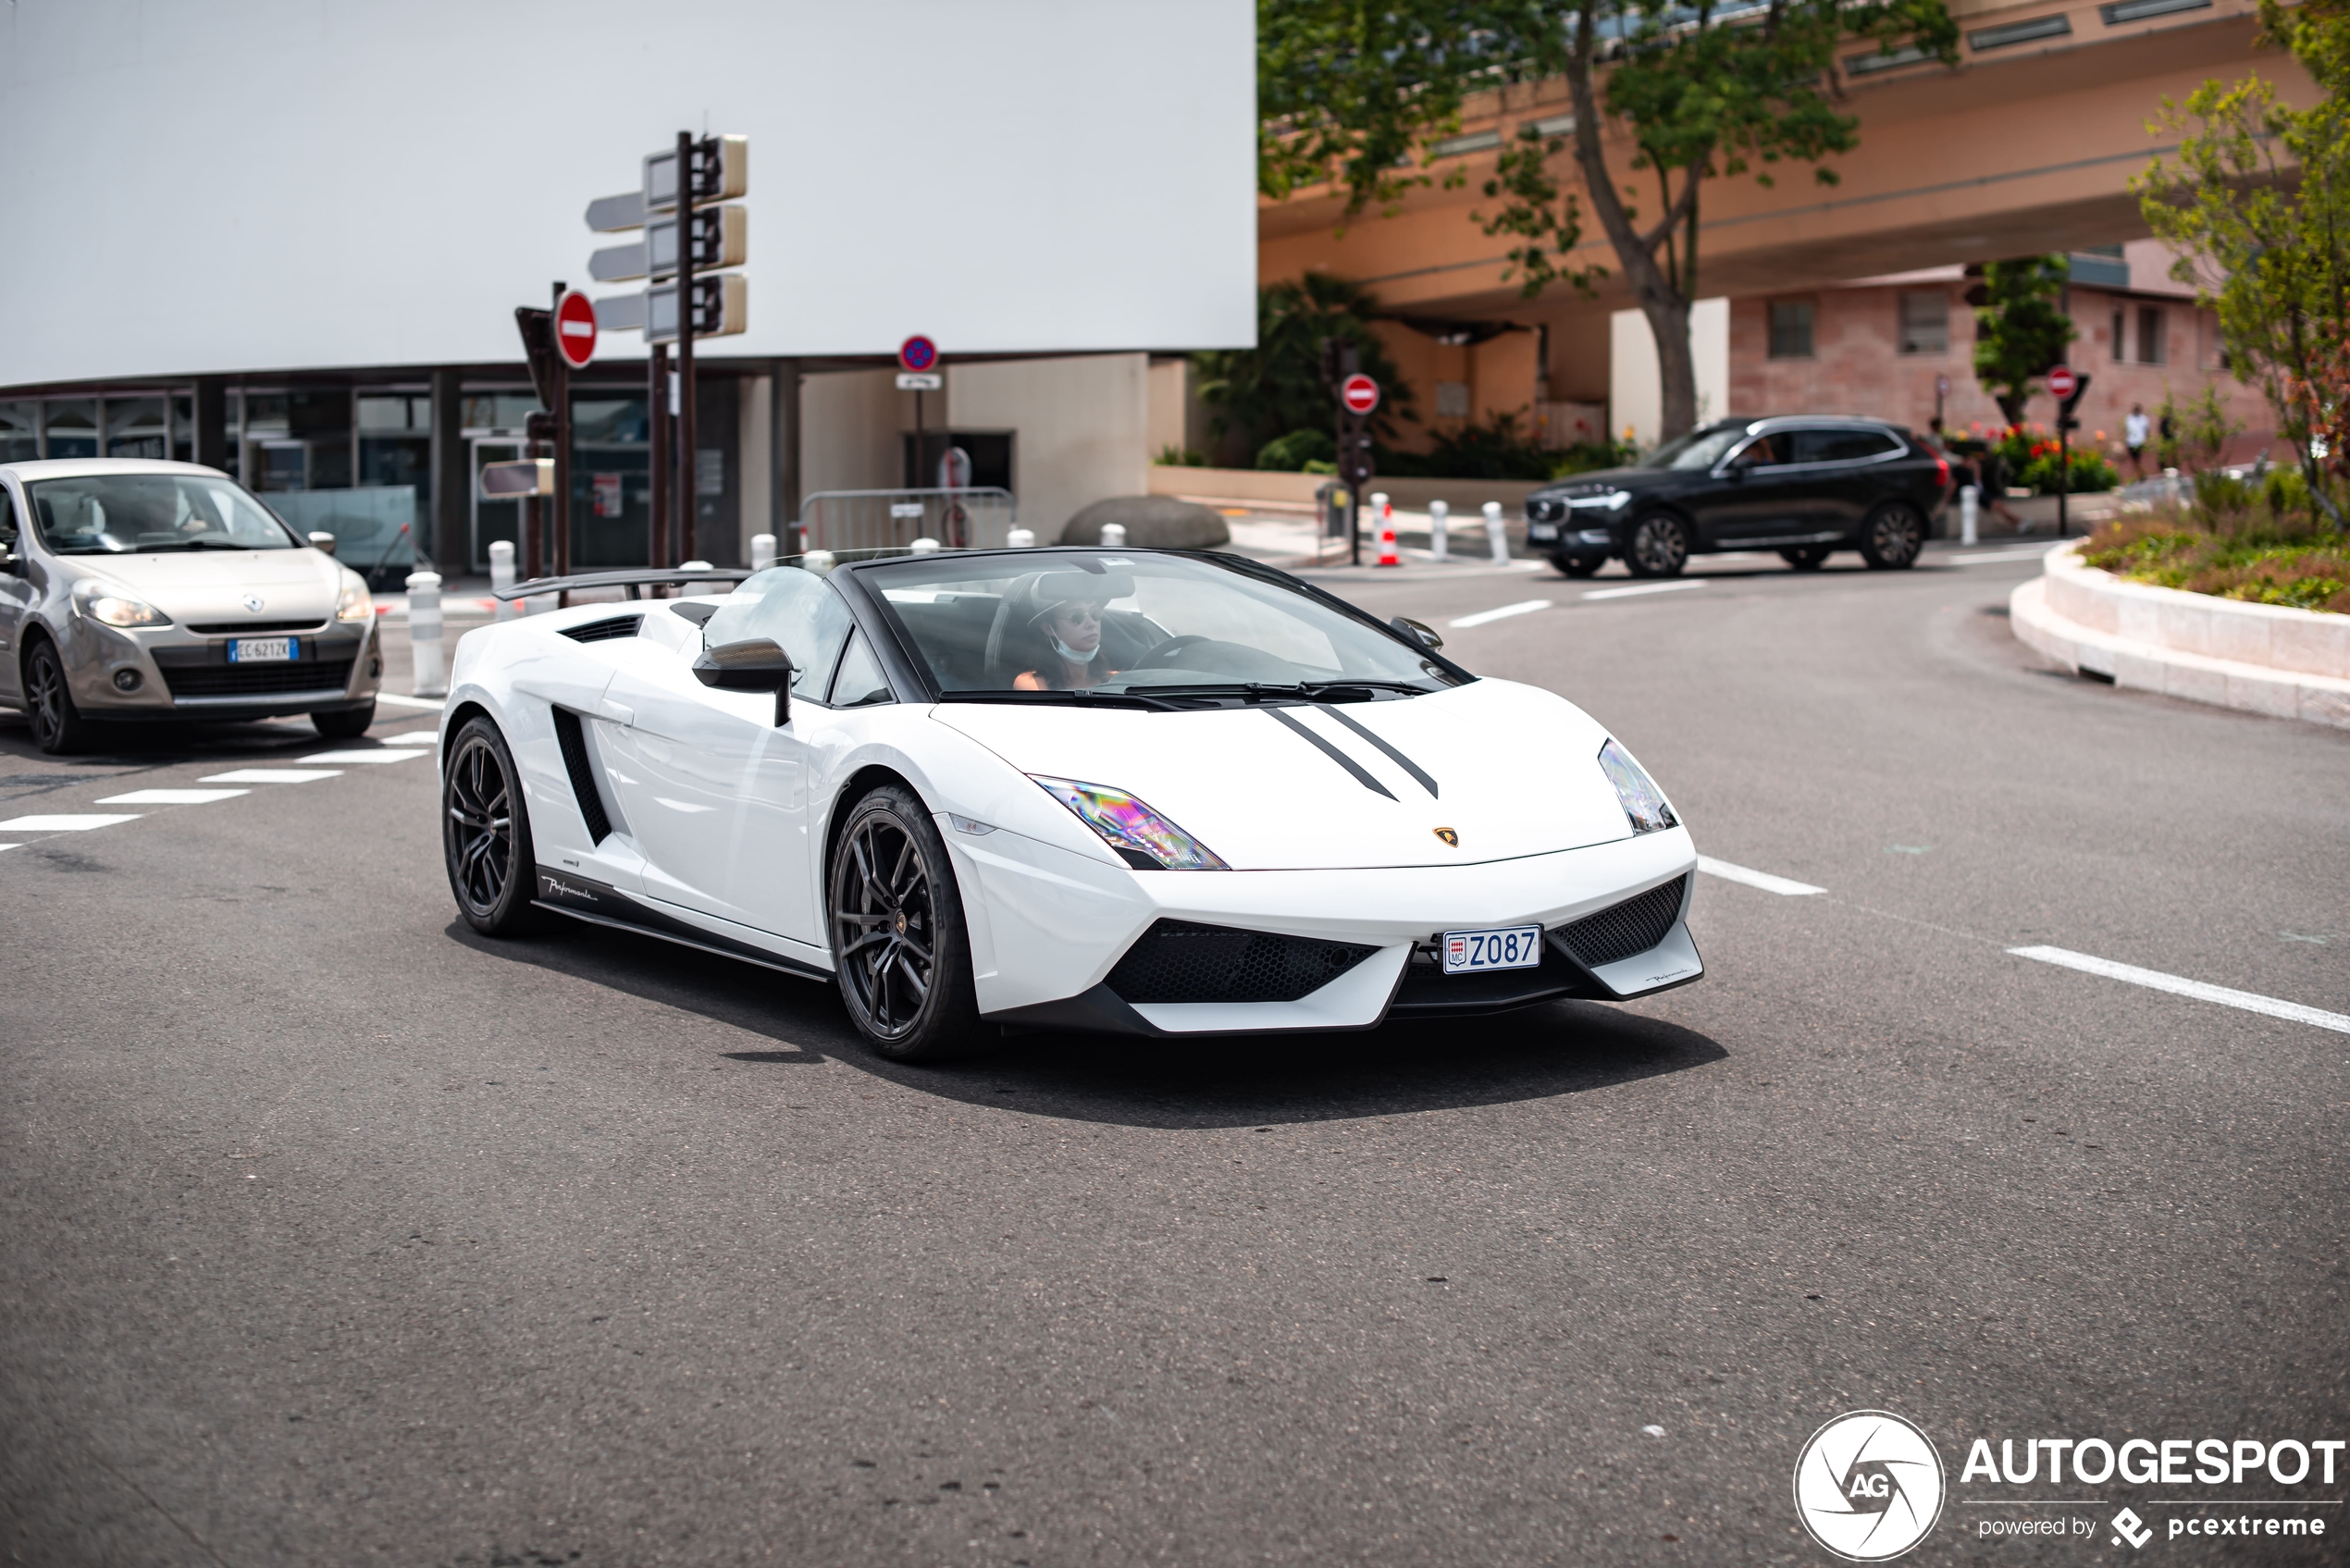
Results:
<point x="817" y="560"/>
<point x="1497" y="536"/>
<point x="501" y="575"/>
<point x="431" y="674"/>
<point x="1438" y="517"/>
<point x="1020" y="538"/>
<point x="762" y="552"/>
<point x="1970" y="504"/>
<point x="924" y="546"/>
<point x="1113" y="536"/>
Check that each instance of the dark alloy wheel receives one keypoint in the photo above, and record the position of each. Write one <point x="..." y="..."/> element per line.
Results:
<point x="1659" y="547"/>
<point x="58" y="727"/>
<point x="1571" y="567"/>
<point x="1805" y="558"/>
<point x="902" y="956"/>
<point x="348" y="724"/>
<point x="1894" y="538"/>
<point x="484" y="833"/>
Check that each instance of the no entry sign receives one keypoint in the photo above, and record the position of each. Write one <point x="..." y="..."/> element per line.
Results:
<point x="1359" y="394"/>
<point x="918" y="352"/>
<point x="575" y="329"/>
<point x="2061" y="382"/>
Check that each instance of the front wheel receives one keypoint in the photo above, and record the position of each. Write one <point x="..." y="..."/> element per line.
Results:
<point x="58" y="727"/>
<point x="1894" y="537"/>
<point x="349" y="724"/>
<point x="899" y="949"/>
<point x="1659" y="546"/>
<point x="484" y="833"/>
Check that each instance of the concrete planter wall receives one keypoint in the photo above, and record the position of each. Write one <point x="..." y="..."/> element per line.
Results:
<point x="2261" y="658"/>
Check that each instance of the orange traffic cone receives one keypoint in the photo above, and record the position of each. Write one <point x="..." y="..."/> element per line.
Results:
<point x="1387" y="554"/>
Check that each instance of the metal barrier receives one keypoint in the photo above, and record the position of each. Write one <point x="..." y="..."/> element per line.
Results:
<point x="971" y="518"/>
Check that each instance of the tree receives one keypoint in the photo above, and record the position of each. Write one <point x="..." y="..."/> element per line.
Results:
<point x="2021" y="330"/>
<point x="2259" y="207"/>
<point x="1275" y="388"/>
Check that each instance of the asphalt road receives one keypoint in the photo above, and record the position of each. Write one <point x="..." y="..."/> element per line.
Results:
<point x="333" y="1233"/>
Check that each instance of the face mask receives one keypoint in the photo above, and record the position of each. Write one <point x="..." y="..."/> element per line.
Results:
<point x="1069" y="653"/>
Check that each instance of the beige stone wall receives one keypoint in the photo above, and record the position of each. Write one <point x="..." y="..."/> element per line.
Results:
<point x="1081" y="428"/>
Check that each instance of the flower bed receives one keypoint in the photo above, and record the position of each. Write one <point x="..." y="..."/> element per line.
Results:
<point x="2298" y="574"/>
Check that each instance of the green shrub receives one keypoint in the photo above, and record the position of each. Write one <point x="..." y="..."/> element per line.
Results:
<point x="1290" y="453"/>
<point x="1586" y="456"/>
<point x="1173" y="456"/>
<point x="2087" y="471"/>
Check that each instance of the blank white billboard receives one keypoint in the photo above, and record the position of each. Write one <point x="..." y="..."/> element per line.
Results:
<point x="266" y="185"/>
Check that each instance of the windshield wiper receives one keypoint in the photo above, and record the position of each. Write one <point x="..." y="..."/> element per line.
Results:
<point x="1077" y="697"/>
<point x="1294" y="691"/>
<point x="1413" y="688"/>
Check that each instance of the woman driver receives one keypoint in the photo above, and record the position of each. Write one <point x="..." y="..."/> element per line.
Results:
<point x="1070" y="630"/>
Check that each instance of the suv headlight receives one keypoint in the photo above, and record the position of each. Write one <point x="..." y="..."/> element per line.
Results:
<point x="1143" y="838"/>
<point x="355" y="604"/>
<point x="1643" y="802"/>
<point x="1613" y="500"/>
<point x="110" y="606"/>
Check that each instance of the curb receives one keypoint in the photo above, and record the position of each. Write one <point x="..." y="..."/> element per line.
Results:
<point x="2154" y="663"/>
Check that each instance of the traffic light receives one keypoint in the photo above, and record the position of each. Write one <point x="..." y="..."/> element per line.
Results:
<point x="721" y="308"/>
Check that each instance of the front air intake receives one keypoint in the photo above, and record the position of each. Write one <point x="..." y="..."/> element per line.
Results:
<point x="1621" y="930"/>
<point x="1177" y="961"/>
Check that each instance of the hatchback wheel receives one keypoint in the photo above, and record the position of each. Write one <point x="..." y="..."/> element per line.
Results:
<point x="1659" y="547"/>
<point x="899" y="949"/>
<point x="58" y="725"/>
<point x="1893" y="537"/>
<point x="484" y="833"/>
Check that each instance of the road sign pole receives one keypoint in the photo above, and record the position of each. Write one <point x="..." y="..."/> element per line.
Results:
<point x="562" y="450"/>
<point x="657" y="439"/>
<point x="688" y="452"/>
<point x="2064" y="472"/>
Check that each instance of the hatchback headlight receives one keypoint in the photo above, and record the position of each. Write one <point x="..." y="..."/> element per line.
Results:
<point x="1143" y="838"/>
<point x="1643" y="802"/>
<point x="355" y="604"/>
<point x="110" y="606"/>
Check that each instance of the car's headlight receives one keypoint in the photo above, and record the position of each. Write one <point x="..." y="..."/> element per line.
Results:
<point x="105" y="603"/>
<point x="354" y="604"/>
<point x="1143" y="838"/>
<point x="1643" y="802"/>
<point x="1613" y="500"/>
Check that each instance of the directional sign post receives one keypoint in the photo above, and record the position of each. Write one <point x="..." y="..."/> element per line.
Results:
<point x="2067" y="388"/>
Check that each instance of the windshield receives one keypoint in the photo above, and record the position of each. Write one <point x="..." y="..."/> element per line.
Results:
<point x="119" y="513"/>
<point x="1114" y="623"/>
<point x="1699" y="449"/>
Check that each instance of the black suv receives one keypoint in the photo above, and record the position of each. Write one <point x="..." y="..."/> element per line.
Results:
<point x="1803" y="486"/>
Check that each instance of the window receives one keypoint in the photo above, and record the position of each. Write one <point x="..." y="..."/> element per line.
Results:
<point x="1763" y="451"/>
<point x="1792" y="330"/>
<point x="7" y="523"/>
<point x="1843" y="445"/>
<point x="2121" y="343"/>
<point x="860" y="680"/>
<point x="797" y="610"/>
<point x="1926" y="323"/>
<point x="1452" y="400"/>
<point x="19" y="432"/>
<point x="2151" y="341"/>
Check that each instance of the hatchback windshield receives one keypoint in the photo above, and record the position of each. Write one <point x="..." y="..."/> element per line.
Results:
<point x="119" y="513"/>
<point x="1699" y="449"/>
<point x="1114" y="623"/>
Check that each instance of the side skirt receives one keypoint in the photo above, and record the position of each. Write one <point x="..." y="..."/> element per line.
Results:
<point x="565" y="894"/>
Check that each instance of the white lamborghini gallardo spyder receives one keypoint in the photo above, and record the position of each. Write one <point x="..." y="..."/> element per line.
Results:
<point x="1132" y="791"/>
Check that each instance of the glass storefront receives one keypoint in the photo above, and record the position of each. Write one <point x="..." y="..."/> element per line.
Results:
<point x="69" y="427"/>
<point x="611" y="481"/>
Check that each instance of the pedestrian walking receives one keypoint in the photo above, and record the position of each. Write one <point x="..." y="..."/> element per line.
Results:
<point x="2134" y="431"/>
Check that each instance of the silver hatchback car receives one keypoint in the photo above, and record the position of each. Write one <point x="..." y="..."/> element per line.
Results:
<point x="142" y="590"/>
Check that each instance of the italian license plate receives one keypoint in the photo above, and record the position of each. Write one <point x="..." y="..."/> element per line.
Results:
<point x="264" y="651"/>
<point x="1512" y="947"/>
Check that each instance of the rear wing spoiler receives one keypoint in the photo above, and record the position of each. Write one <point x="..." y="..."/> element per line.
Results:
<point x="633" y="579"/>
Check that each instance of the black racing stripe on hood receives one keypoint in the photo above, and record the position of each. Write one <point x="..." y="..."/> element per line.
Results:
<point x="1332" y="752"/>
<point x="1392" y="755"/>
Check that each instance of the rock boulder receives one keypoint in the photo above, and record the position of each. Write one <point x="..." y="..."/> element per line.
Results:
<point x="1152" y="523"/>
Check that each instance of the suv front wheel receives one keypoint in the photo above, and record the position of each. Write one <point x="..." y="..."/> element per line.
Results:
<point x="1894" y="537"/>
<point x="1659" y="546"/>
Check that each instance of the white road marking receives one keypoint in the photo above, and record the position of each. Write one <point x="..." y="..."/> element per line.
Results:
<point x="81" y="822"/>
<point x="172" y="796"/>
<point x="11" y="847"/>
<point x="384" y="756"/>
<point x="2034" y="553"/>
<point x="1647" y="589"/>
<point x="272" y="775"/>
<point x="2155" y="979"/>
<point x="436" y="704"/>
<point x="1762" y="880"/>
<point x="1525" y="607"/>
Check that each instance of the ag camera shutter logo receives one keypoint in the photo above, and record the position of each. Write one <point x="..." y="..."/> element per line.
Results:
<point x="1868" y="1485"/>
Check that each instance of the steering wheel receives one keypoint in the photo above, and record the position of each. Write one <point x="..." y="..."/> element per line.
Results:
<point x="1172" y="645"/>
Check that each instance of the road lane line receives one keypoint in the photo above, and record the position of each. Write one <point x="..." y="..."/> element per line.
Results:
<point x="272" y="775"/>
<point x="2155" y="979"/>
<point x="436" y="705"/>
<point x="1785" y="886"/>
<point x="386" y="755"/>
<point x="1526" y="607"/>
<point x="1646" y="588"/>
<point x="2034" y="553"/>
<point x="172" y="796"/>
<point x="72" y="823"/>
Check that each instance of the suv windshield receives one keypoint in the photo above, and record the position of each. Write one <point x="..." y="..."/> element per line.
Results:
<point x="1699" y="449"/>
<point x="120" y="513"/>
<point x="1110" y="622"/>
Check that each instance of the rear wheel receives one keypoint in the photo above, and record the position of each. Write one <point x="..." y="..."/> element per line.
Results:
<point x="901" y="954"/>
<point x="349" y="724"/>
<point x="58" y="727"/>
<point x="1574" y="568"/>
<point x="1894" y="537"/>
<point x="1659" y="546"/>
<point x="1805" y="558"/>
<point x="484" y="833"/>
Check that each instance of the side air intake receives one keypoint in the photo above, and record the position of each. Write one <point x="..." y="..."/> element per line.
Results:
<point x="1623" y="929"/>
<point x="1177" y="961"/>
<point x="569" y="736"/>
<point x="605" y="631"/>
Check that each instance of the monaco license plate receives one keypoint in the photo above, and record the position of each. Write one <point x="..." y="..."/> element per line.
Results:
<point x="1512" y="947"/>
<point x="264" y="651"/>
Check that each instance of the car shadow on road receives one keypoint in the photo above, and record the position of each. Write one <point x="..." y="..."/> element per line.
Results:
<point x="1539" y="1053"/>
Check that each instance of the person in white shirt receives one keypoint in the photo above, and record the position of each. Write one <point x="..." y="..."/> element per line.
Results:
<point x="2134" y="436"/>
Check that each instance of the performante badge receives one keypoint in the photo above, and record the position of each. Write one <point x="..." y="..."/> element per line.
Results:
<point x="1449" y="836"/>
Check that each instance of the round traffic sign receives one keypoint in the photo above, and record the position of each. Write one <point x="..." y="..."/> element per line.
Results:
<point x="576" y="328"/>
<point x="1359" y="394"/>
<point x="2061" y="382"/>
<point x="918" y="352"/>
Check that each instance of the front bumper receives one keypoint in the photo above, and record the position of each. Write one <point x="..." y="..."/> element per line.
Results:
<point x="179" y="674"/>
<point x="1048" y="925"/>
<point x="1573" y="539"/>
